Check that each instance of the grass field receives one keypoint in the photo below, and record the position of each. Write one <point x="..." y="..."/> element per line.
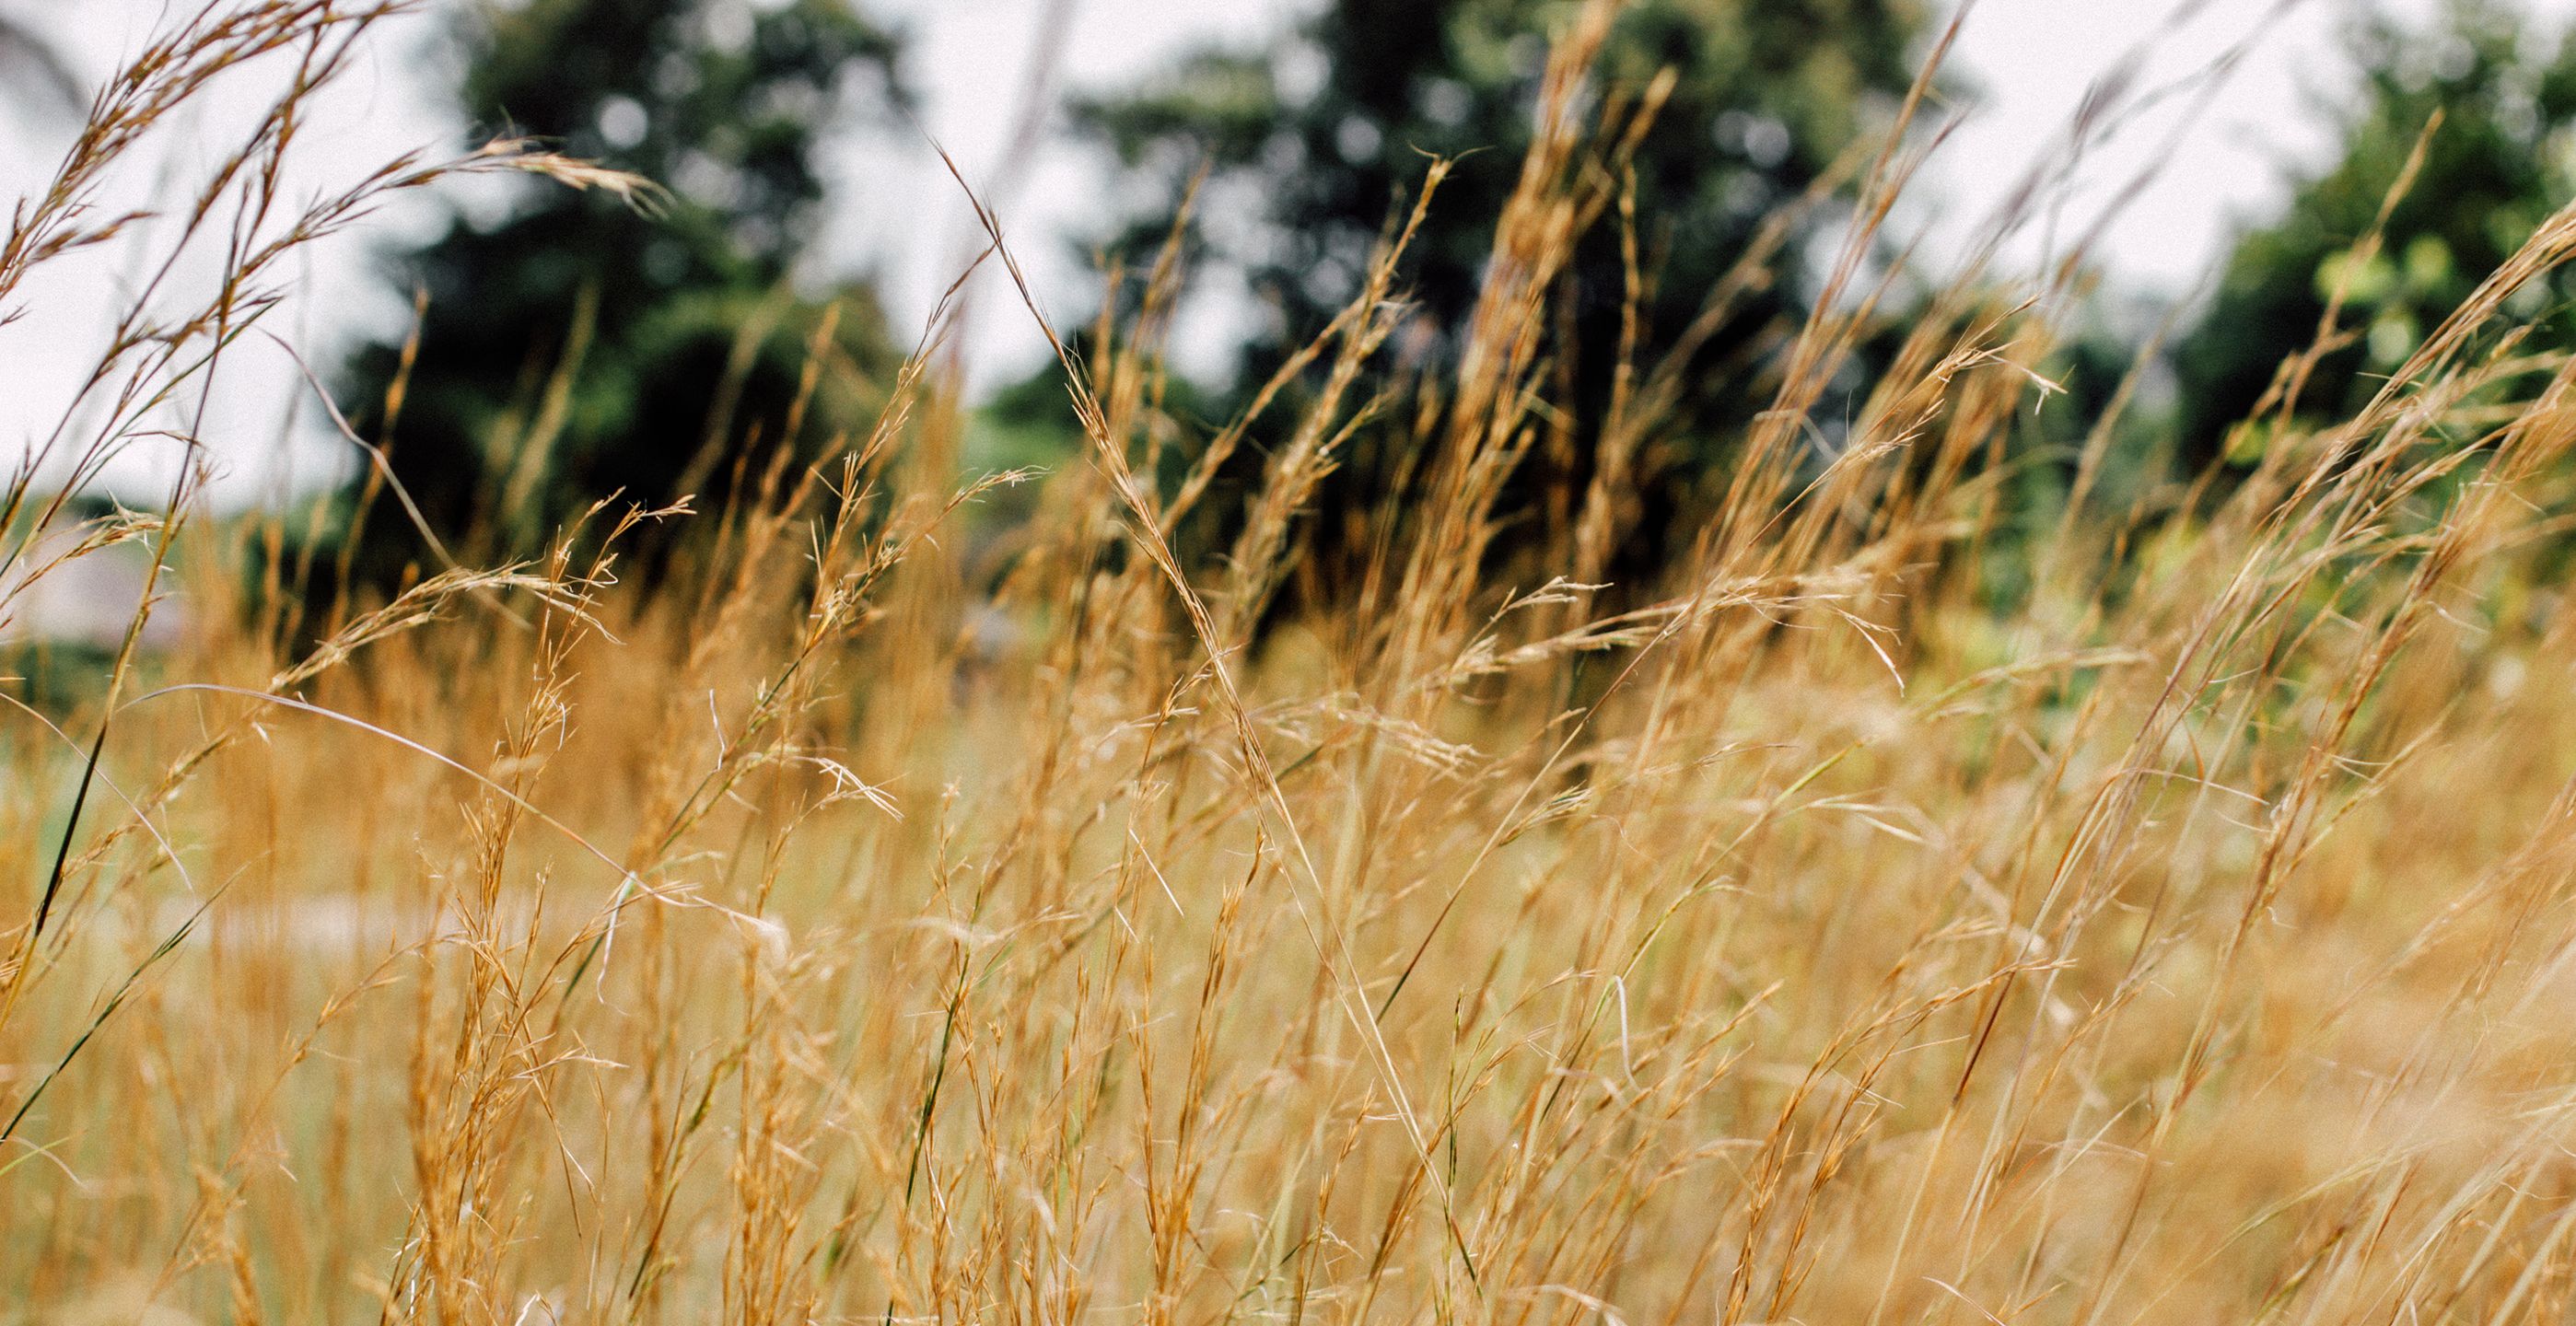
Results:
<point x="2180" y="927"/>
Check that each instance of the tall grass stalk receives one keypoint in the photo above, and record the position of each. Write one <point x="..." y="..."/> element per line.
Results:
<point x="1835" y="929"/>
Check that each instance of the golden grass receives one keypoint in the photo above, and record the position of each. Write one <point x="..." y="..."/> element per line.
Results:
<point x="1824" y="935"/>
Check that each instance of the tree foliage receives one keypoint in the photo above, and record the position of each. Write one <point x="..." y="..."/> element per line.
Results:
<point x="1311" y="146"/>
<point x="577" y="346"/>
<point x="1328" y="129"/>
<point x="2500" y="106"/>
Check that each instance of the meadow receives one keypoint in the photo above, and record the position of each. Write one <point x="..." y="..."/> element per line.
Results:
<point x="2171" y="920"/>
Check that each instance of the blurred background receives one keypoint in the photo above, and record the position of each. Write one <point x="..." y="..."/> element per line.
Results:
<point x="2203" y="166"/>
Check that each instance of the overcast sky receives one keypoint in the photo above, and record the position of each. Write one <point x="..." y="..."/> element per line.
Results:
<point x="2029" y="62"/>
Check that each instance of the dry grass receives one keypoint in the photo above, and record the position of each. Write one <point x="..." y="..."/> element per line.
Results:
<point x="1826" y="935"/>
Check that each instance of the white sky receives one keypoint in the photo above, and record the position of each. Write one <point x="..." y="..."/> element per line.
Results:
<point x="896" y="214"/>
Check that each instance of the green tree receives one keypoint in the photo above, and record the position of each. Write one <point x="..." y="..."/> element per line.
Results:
<point x="1327" y="130"/>
<point x="2494" y="167"/>
<point x="578" y="346"/>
